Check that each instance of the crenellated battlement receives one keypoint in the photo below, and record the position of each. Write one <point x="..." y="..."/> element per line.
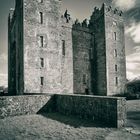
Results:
<point x="107" y="10"/>
<point x="81" y="26"/>
<point x="117" y="12"/>
<point x="97" y="13"/>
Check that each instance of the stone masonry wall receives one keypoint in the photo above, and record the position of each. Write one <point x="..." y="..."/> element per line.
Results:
<point x="67" y="57"/>
<point x="97" y="26"/>
<point x="109" y="110"/>
<point x="22" y="105"/>
<point x="19" y="48"/>
<point x="115" y="51"/>
<point x="32" y="43"/>
<point x="15" y="50"/>
<point x="11" y="56"/>
<point x="49" y="30"/>
<point x="109" y="50"/>
<point x="81" y="37"/>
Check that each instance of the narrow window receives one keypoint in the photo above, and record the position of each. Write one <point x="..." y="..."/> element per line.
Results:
<point x="42" y="81"/>
<point x="115" y="35"/>
<point x="116" y="81"/>
<point x="41" y="17"/>
<point x="115" y="53"/>
<point x="116" y="68"/>
<point x="84" y="78"/>
<point x="42" y="62"/>
<point x="41" y="41"/>
<point x="63" y="47"/>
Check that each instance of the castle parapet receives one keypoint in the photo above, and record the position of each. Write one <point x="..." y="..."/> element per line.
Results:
<point x="81" y="26"/>
<point x="107" y="10"/>
<point x="115" y="13"/>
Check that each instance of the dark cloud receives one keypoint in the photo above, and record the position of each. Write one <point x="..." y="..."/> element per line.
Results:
<point x="138" y="3"/>
<point x="133" y="15"/>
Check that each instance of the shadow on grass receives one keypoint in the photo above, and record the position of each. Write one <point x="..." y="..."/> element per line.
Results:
<point x="74" y="121"/>
<point x="50" y="111"/>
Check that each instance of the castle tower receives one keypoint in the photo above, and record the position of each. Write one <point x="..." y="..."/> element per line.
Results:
<point x="109" y="51"/>
<point x="81" y="37"/>
<point x="11" y="55"/>
<point x="36" y="31"/>
<point x="49" y="54"/>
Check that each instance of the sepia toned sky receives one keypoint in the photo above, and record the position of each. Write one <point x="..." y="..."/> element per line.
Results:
<point x="82" y="9"/>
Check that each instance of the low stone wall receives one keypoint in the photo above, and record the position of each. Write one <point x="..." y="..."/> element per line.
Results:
<point x="22" y="105"/>
<point x="109" y="110"/>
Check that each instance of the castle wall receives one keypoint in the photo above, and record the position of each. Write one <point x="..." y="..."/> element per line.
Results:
<point x="19" y="42"/>
<point x="15" y="51"/>
<point x="50" y="51"/>
<point x="48" y="54"/>
<point x="97" y="26"/>
<point x="109" y="110"/>
<point x="67" y="57"/>
<point x="109" y="51"/>
<point x="81" y="37"/>
<point x="115" y="51"/>
<point x="11" y="57"/>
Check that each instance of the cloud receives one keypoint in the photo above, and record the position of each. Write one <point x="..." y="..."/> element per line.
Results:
<point x="3" y="69"/>
<point x="133" y="63"/>
<point x="134" y="31"/>
<point x="3" y="57"/>
<point x="133" y="15"/>
<point x="3" y="79"/>
<point x="124" y="4"/>
<point x="131" y="75"/>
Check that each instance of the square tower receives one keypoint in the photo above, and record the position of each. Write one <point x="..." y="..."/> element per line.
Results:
<point x="109" y="51"/>
<point x="35" y="31"/>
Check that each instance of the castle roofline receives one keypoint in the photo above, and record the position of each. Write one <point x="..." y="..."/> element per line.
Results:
<point x="106" y="9"/>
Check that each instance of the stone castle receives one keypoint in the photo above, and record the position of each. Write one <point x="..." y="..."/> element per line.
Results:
<point x="49" y="53"/>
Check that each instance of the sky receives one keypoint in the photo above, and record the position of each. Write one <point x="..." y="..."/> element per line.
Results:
<point x="82" y="9"/>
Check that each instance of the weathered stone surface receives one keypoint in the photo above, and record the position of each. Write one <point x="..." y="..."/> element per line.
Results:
<point x="109" y="50"/>
<point x="78" y="58"/>
<point x="81" y="37"/>
<point x="109" y="110"/>
<point x="50" y="50"/>
<point x="22" y="105"/>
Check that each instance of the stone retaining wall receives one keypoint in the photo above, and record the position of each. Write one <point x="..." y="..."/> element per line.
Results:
<point x="22" y="105"/>
<point x="108" y="110"/>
